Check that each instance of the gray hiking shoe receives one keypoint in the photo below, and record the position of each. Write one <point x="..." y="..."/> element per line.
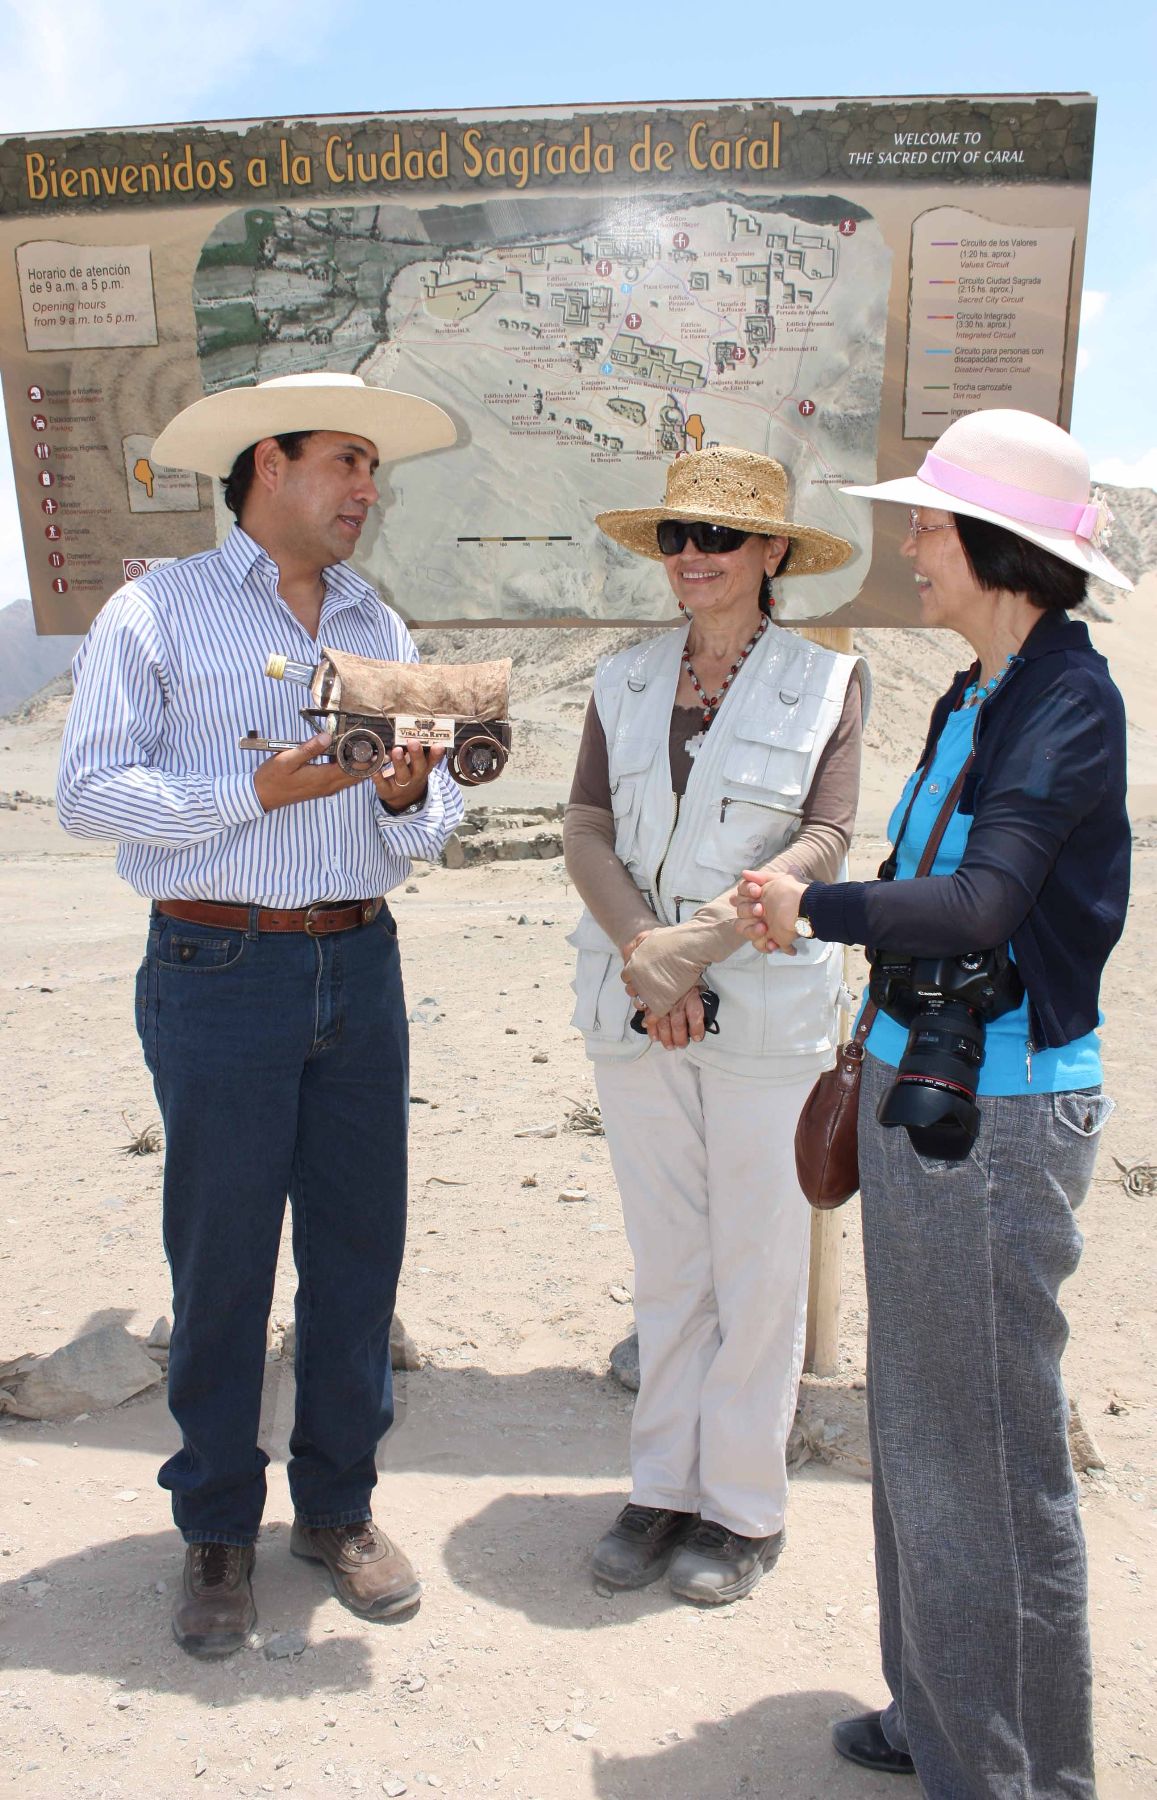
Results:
<point x="638" y="1547"/>
<point x="715" y="1565"/>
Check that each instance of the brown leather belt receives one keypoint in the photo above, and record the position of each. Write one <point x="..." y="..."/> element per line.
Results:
<point x="318" y="920"/>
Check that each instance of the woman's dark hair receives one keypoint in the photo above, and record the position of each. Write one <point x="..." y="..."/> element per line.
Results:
<point x="765" y="600"/>
<point x="1000" y="559"/>
<point x="240" y="477"/>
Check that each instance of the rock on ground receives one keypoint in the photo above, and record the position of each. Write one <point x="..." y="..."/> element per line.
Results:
<point x="96" y="1371"/>
<point x="404" y="1352"/>
<point x="1083" y="1447"/>
<point x="625" y="1362"/>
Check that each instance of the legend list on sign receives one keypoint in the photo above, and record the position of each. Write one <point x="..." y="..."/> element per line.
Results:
<point x="987" y="317"/>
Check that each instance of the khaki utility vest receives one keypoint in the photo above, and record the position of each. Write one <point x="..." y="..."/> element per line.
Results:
<point x="743" y="805"/>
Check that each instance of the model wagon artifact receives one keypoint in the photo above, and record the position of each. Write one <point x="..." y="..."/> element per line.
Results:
<point x="369" y="706"/>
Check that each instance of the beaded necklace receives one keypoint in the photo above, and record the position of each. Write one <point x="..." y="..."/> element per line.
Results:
<point x="712" y="702"/>
<point x="975" y="695"/>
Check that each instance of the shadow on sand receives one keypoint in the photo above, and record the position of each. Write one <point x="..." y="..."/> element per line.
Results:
<point x="779" y="1749"/>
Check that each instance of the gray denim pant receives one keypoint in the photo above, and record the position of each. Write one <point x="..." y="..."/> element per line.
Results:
<point x="980" y="1556"/>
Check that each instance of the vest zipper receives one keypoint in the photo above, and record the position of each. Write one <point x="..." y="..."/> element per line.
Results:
<point x="791" y="812"/>
<point x="678" y="799"/>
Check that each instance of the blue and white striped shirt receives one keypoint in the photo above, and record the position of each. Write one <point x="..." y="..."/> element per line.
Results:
<point x="171" y="675"/>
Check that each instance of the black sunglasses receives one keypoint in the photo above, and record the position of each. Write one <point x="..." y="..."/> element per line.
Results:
<point x="712" y="540"/>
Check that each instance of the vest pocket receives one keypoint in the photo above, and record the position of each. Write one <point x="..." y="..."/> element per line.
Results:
<point x="773" y="774"/>
<point x="744" y="830"/>
<point x="777" y="1005"/>
<point x="761" y="797"/>
<point x="602" y="1004"/>
<point x="772" y="747"/>
<point x="803" y="995"/>
<point x="630" y="763"/>
<point x="781" y="715"/>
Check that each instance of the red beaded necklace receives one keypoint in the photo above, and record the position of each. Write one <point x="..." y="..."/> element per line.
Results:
<point x="712" y="702"/>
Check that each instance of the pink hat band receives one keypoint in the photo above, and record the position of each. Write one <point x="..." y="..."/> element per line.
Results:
<point x="1079" y="517"/>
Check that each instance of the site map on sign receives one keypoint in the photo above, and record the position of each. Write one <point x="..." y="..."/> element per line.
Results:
<point x="578" y="351"/>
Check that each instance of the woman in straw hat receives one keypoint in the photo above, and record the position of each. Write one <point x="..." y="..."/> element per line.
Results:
<point x="720" y="738"/>
<point x="968" y="1203"/>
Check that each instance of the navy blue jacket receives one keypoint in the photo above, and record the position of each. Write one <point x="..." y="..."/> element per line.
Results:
<point x="1046" y="864"/>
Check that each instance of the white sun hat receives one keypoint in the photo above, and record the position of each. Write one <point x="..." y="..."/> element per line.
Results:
<point x="210" y="435"/>
<point x="1020" y="471"/>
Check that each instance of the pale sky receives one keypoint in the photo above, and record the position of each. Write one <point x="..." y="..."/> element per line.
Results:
<point x="92" y="63"/>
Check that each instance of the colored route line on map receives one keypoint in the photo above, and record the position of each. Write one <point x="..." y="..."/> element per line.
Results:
<point x="552" y="537"/>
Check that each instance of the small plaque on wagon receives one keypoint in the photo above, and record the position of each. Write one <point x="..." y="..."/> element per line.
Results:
<point x="414" y="728"/>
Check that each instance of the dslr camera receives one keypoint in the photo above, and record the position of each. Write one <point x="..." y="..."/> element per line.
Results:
<point x="946" y="1002"/>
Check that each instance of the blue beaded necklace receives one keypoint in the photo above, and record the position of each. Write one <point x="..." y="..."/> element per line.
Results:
<point x="975" y="695"/>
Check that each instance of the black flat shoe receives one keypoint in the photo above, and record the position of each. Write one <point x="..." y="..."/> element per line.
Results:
<point x="862" y="1741"/>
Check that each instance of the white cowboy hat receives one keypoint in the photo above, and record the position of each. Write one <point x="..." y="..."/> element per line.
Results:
<point x="210" y="435"/>
<point x="728" y="487"/>
<point x="1017" y="470"/>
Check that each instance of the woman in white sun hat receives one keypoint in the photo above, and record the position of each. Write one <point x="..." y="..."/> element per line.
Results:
<point x="723" y="736"/>
<point x="980" y="1115"/>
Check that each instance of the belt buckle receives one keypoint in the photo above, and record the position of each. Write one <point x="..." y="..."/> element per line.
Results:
<point x="309" y="926"/>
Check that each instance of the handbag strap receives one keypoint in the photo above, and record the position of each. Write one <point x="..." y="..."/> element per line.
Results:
<point x="936" y="835"/>
<point x="923" y="867"/>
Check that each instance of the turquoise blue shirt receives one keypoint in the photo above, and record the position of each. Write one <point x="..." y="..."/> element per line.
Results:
<point x="1009" y="1067"/>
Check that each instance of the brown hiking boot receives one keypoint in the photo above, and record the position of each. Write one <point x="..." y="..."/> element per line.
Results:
<point x="214" y="1613"/>
<point x="370" y="1575"/>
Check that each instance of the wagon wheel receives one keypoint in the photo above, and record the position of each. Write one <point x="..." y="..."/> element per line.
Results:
<point x="477" y="759"/>
<point x="360" y="752"/>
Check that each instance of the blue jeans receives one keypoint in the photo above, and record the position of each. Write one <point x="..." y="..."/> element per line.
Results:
<point x="980" y="1558"/>
<point x="280" y="1064"/>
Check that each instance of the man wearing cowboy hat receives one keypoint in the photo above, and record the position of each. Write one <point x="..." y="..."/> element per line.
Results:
<point x="269" y="1002"/>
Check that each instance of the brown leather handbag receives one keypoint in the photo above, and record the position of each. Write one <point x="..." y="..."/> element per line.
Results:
<point x="827" y="1152"/>
<point x="826" y="1142"/>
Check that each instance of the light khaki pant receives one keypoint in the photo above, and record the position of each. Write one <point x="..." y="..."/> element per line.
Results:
<point x="719" y="1230"/>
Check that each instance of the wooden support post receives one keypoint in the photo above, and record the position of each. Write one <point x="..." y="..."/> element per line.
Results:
<point x="821" y="1354"/>
<point x="821" y="1350"/>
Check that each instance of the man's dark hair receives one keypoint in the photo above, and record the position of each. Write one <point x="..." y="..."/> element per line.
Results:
<point x="240" y="477"/>
<point x="1000" y="559"/>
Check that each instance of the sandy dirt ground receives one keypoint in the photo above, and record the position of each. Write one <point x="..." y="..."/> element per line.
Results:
<point x="509" y="1456"/>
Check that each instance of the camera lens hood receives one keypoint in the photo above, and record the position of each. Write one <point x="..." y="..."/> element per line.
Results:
<point x="941" y="1119"/>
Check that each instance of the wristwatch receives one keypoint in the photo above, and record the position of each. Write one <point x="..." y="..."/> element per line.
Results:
<point x="405" y="812"/>
<point x="804" y="927"/>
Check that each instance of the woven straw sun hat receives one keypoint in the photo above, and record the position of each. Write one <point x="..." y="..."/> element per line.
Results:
<point x="724" y="486"/>
<point x="210" y="435"/>
<point x="1020" y="471"/>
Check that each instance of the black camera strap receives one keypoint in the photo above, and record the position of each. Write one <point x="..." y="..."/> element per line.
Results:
<point x="923" y="867"/>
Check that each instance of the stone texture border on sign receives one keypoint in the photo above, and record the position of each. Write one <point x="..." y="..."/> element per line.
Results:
<point x="315" y="160"/>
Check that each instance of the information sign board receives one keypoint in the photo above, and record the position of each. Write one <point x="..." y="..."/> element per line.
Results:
<point x="588" y="291"/>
